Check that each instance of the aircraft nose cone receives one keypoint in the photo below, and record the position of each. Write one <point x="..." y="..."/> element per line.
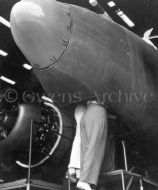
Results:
<point x="41" y="29"/>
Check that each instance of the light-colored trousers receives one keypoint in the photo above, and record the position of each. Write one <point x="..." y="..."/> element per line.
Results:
<point x="94" y="128"/>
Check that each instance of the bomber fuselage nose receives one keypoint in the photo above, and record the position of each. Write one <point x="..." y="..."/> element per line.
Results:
<point x="41" y="29"/>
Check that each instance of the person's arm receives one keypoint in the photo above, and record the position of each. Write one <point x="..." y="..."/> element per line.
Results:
<point x="75" y="152"/>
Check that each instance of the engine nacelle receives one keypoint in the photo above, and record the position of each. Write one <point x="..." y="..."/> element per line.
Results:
<point x="52" y="134"/>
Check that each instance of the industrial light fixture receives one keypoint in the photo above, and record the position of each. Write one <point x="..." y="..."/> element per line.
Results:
<point x="3" y="53"/>
<point x="7" y="80"/>
<point x="4" y="22"/>
<point x="125" y="18"/>
<point x="111" y="4"/>
<point x="27" y="66"/>
<point x="120" y="13"/>
<point x="93" y="2"/>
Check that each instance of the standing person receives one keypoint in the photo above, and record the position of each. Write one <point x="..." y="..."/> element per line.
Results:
<point x="74" y="164"/>
<point x="94" y="128"/>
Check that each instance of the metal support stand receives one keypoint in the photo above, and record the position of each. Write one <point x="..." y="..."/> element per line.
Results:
<point x="29" y="183"/>
<point x="69" y="185"/>
<point x="127" y="176"/>
<point x="141" y="184"/>
<point x="126" y="169"/>
<point x="123" y="181"/>
<point x="30" y="156"/>
<point x="125" y="155"/>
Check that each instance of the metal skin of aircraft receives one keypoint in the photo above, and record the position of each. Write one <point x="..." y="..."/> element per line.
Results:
<point x="78" y="52"/>
<point x="78" y="55"/>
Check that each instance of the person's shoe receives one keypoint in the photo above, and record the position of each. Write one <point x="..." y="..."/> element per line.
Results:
<point x="71" y="177"/>
<point x="93" y="187"/>
<point x="83" y="186"/>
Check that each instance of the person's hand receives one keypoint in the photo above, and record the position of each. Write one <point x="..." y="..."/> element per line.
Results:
<point x="71" y="175"/>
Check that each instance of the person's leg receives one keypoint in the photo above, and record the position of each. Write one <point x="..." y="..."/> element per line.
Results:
<point x="93" y="140"/>
<point x="74" y="164"/>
